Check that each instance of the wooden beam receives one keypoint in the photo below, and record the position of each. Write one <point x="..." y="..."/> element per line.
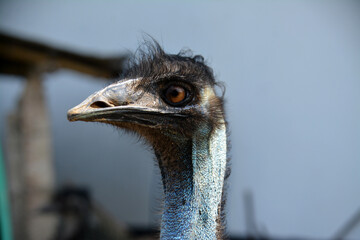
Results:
<point x="17" y="54"/>
<point x="37" y="158"/>
<point x="30" y="163"/>
<point x="15" y="174"/>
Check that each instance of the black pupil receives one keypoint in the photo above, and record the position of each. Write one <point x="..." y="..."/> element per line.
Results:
<point x="174" y="92"/>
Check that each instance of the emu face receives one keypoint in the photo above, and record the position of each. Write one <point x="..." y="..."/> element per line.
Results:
<point x="170" y="101"/>
<point x="169" y="104"/>
<point x="167" y="94"/>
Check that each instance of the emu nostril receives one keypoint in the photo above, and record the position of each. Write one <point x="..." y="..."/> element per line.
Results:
<point x="100" y="104"/>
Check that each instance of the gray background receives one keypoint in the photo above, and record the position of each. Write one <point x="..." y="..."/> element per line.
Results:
<point x="292" y="72"/>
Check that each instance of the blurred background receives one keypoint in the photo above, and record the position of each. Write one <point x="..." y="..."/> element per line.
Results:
<point x="292" y="76"/>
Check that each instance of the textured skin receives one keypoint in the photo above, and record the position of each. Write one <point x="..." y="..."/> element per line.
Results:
<point x="193" y="192"/>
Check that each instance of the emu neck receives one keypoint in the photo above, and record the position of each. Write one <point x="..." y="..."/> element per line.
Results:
<point x="193" y="179"/>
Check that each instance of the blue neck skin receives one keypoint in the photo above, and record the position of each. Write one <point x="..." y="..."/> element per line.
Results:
<point x="193" y="186"/>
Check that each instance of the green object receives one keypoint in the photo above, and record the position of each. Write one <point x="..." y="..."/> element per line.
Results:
<point x="5" y="222"/>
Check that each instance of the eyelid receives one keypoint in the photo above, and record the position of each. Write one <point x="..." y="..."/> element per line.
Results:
<point x="165" y="83"/>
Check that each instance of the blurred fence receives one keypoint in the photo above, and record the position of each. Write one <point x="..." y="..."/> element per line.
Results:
<point x="29" y="159"/>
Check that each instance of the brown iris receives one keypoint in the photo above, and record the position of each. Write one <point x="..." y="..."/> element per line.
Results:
<point x="175" y="94"/>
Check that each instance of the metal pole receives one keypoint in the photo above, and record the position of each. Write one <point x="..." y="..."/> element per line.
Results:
<point x="5" y="222"/>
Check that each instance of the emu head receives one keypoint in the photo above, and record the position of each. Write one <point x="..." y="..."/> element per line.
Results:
<point x="170" y="101"/>
<point x="161" y="96"/>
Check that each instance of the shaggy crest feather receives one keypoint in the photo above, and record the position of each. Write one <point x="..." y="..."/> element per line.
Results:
<point x="151" y="61"/>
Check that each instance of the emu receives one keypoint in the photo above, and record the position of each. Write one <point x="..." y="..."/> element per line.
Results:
<point x="171" y="102"/>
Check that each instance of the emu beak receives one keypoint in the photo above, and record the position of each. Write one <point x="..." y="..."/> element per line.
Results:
<point x="121" y="102"/>
<point x="115" y="103"/>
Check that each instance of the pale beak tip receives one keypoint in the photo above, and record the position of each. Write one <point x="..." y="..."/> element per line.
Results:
<point x="72" y="115"/>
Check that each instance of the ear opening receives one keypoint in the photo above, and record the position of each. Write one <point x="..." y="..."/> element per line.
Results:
<point x="220" y="89"/>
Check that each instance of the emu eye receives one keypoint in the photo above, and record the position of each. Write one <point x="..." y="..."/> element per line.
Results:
<point x="175" y="95"/>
